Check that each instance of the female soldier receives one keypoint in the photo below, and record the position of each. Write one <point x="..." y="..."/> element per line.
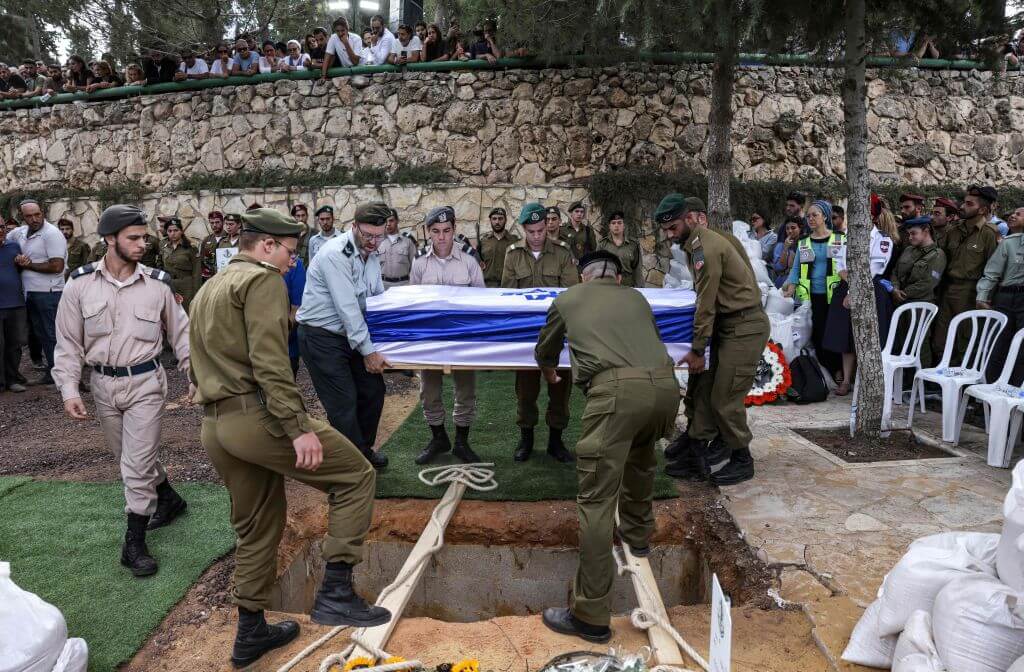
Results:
<point x="628" y="251"/>
<point x="180" y="260"/>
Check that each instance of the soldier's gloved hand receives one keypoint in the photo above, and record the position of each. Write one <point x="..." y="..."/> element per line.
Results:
<point x="551" y="375"/>
<point x="76" y="409"/>
<point x="309" y="454"/>
<point x="694" y="361"/>
<point x="376" y="362"/>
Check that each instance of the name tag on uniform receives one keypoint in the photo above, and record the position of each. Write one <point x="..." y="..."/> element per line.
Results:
<point x="806" y="255"/>
<point x="834" y="251"/>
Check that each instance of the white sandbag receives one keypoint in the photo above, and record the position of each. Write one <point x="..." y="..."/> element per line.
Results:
<point x="782" y="333"/>
<point x="740" y="229"/>
<point x="677" y="253"/>
<point x="925" y="569"/>
<point x="1010" y="554"/>
<point x="760" y="268"/>
<point x="74" y="657"/>
<point x="1018" y="666"/>
<point x="802" y="326"/>
<point x="978" y="624"/>
<point x="778" y="303"/>
<point x="32" y="632"/>
<point x="867" y="646"/>
<point x="915" y="650"/>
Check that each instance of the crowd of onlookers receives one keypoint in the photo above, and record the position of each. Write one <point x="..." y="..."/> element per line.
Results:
<point x="246" y="56"/>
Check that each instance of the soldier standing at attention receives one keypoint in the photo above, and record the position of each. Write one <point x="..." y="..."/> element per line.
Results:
<point x="178" y="257"/>
<point x="730" y="318"/>
<point x="113" y="317"/>
<point x="493" y="245"/>
<point x="628" y="251"/>
<point x="257" y="432"/>
<point x="78" y="251"/>
<point x="917" y="274"/>
<point x="540" y="262"/>
<point x="208" y="246"/>
<point x="301" y="215"/>
<point x="443" y="263"/>
<point x="621" y="364"/>
<point x="969" y="244"/>
<point x="325" y="219"/>
<point x="1001" y="288"/>
<point x="151" y="257"/>
<point x="580" y="236"/>
<point x="396" y="253"/>
<point x="553" y="218"/>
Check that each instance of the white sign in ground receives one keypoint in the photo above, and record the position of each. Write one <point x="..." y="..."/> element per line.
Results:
<point x="720" y="659"/>
<point x="224" y="255"/>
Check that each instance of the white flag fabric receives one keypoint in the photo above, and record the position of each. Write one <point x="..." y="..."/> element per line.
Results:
<point x="485" y="328"/>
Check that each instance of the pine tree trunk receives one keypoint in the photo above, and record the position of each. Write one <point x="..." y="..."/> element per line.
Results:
<point x="719" y="131"/>
<point x="863" y="312"/>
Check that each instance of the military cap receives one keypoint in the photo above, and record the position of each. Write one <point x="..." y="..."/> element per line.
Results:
<point x="271" y="222"/>
<point x="987" y="193"/>
<point x="324" y="208"/>
<point x="600" y="256"/>
<point x="118" y="217"/>
<point x="444" y="213"/>
<point x="694" y="204"/>
<point x="916" y="198"/>
<point x="297" y="206"/>
<point x="374" y="214"/>
<point x="498" y="211"/>
<point x="616" y="214"/>
<point x="923" y="222"/>
<point x="577" y="204"/>
<point x="553" y="210"/>
<point x="167" y="220"/>
<point x="671" y="207"/>
<point x="947" y="203"/>
<point x="234" y="217"/>
<point x="532" y="213"/>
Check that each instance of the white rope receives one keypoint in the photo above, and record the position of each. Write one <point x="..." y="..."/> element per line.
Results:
<point x="477" y="476"/>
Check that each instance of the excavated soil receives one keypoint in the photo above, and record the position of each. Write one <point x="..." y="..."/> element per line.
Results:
<point x="899" y="445"/>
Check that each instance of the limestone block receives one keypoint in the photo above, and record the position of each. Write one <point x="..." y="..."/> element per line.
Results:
<point x="881" y="160"/>
<point x="465" y="117"/>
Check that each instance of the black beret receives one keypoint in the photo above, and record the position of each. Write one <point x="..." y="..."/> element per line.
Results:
<point x="374" y="214"/>
<point x="616" y="214"/>
<point x="498" y="211"/>
<point x="118" y="217"/>
<point x="553" y="210"/>
<point x="577" y="204"/>
<point x="324" y="208"/>
<point x="600" y="256"/>
<point x="444" y="213"/>
<point x="988" y="193"/>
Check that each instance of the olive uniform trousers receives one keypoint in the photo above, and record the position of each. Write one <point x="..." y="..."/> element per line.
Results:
<point x="253" y="455"/>
<point x="736" y="348"/>
<point x="958" y="296"/>
<point x="627" y="410"/>
<point x="528" y="389"/>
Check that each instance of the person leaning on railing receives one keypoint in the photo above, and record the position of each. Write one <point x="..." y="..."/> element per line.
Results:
<point x="433" y="45"/>
<point x="246" y="62"/>
<point x="12" y="85"/>
<point x="295" y="59"/>
<point x="105" y="78"/>
<point x="268" y="61"/>
<point x="222" y="63"/>
<point x="343" y="47"/>
<point x="191" y="67"/>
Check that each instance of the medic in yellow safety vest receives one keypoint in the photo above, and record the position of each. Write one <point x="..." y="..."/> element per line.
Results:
<point x="836" y="243"/>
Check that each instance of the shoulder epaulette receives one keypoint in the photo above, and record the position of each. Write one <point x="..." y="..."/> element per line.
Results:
<point x="408" y="234"/>
<point x="349" y="249"/>
<point x="467" y="248"/>
<point x="157" y="274"/>
<point x="563" y="244"/>
<point x="515" y="246"/>
<point x="85" y="270"/>
<point x="423" y="251"/>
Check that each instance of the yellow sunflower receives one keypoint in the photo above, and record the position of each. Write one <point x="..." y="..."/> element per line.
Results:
<point x="467" y="665"/>
<point x="359" y="663"/>
<point x="393" y="659"/>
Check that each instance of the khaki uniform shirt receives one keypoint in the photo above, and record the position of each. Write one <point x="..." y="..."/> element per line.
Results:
<point x="609" y="327"/>
<point x="78" y="255"/>
<point x="396" y="257"/>
<point x="1005" y="268"/>
<point x="101" y="320"/>
<point x="939" y="235"/>
<point x="492" y="255"/>
<point x="240" y="335"/>
<point x="208" y="254"/>
<point x="580" y="242"/>
<point x="459" y="269"/>
<point x="630" y="256"/>
<point x="968" y="246"/>
<point x="554" y="268"/>
<point x="918" y="272"/>
<point x="723" y="278"/>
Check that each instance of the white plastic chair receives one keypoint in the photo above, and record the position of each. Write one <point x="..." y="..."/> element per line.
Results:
<point x="1004" y="409"/>
<point x="906" y="355"/>
<point x="985" y="327"/>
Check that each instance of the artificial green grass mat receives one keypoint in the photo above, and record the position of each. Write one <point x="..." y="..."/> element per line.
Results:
<point x="63" y="541"/>
<point x="8" y="483"/>
<point x="494" y="436"/>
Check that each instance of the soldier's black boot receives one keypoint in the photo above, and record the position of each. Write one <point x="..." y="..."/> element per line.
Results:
<point x="740" y="468"/>
<point x="169" y="505"/>
<point x="679" y="447"/>
<point x="563" y="622"/>
<point x="439" y="443"/>
<point x="378" y="460"/>
<point x="134" y="554"/>
<point x="556" y="448"/>
<point x="525" y="446"/>
<point x="338" y="604"/>
<point x="717" y="453"/>
<point x="462" y="449"/>
<point x="255" y="636"/>
<point x="686" y="464"/>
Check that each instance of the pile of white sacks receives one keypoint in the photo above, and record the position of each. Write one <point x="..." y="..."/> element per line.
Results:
<point x="33" y="633"/>
<point x="954" y="603"/>
<point x="791" y="328"/>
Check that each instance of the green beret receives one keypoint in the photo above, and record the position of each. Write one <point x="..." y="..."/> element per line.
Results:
<point x="445" y="213"/>
<point x="271" y="222"/>
<point x="671" y="207"/>
<point x="694" y="204"/>
<point x="118" y="217"/>
<point x="374" y="214"/>
<point x="532" y="213"/>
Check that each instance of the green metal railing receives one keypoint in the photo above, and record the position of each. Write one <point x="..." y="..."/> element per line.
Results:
<point x="654" y="58"/>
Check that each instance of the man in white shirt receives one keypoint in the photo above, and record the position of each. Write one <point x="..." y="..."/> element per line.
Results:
<point x="343" y="47"/>
<point x="43" y="254"/>
<point x="191" y="67"/>
<point x="383" y="40"/>
<point x="406" y="49"/>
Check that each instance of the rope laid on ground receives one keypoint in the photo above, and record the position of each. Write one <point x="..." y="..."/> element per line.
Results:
<point x="477" y="476"/>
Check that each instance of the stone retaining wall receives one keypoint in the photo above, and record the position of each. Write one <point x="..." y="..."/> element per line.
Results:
<point x="527" y="127"/>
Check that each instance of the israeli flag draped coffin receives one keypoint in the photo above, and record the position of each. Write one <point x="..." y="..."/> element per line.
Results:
<point x="437" y="325"/>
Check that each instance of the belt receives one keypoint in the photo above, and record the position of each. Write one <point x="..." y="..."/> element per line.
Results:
<point x="401" y="279"/>
<point x="630" y="373"/>
<point x="243" y="402"/>
<point x="122" y="371"/>
<point x="753" y="311"/>
<point x="1012" y="289"/>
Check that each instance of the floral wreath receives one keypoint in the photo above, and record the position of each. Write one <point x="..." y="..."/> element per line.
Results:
<point x="772" y="377"/>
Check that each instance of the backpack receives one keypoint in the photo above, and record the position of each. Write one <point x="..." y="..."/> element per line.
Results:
<point x="808" y="385"/>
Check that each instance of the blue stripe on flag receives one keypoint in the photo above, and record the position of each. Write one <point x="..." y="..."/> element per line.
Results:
<point x="676" y="326"/>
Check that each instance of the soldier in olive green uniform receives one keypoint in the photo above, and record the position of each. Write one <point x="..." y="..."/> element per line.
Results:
<point x="78" y="250"/>
<point x="577" y="234"/>
<point x="730" y="318"/>
<point x="179" y="258"/>
<point x="917" y="274"/>
<point x="257" y="432"/>
<point x="628" y="251"/>
<point x="208" y="246"/>
<point x="969" y="244"/>
<point x="539" y="262"/>
<point x="151" y="257"/>
<point x="98" y="250"/>
<point x="493" y="245"/>
<point x="301" y="214"/>
<point x="619" y="361"/>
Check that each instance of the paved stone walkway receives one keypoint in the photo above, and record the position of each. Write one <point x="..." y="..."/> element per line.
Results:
<point x="833" y="529"/>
